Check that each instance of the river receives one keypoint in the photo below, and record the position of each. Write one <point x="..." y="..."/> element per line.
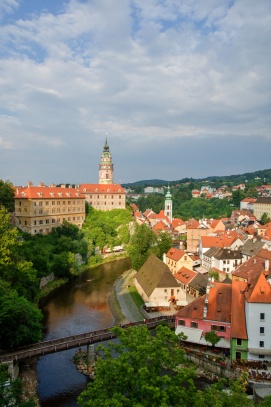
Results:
<point x="79" y="306"/>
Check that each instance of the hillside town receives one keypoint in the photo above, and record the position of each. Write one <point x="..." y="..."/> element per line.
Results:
<point x="215" y="277"/>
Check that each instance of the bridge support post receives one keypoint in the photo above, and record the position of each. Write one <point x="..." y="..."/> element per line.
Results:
<point x="90" y="355"/>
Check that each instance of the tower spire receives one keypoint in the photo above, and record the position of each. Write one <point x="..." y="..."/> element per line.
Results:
<point x="106" y="171"/>
<point x="168" y="204"/>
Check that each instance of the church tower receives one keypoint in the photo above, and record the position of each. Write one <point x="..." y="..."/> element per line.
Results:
<point x="106" y="172"/>
<point x="168" y="204"/>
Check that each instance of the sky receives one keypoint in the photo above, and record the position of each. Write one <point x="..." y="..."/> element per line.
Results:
<point x="180" y="88"/>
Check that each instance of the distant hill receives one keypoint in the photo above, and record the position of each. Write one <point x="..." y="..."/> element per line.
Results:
<point x="264" y="175"/>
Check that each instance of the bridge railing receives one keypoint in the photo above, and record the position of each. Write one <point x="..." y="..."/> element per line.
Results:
<point x="60" y="344"/>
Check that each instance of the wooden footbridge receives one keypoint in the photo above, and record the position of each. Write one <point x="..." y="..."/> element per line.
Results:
<point x="57" y="345"/>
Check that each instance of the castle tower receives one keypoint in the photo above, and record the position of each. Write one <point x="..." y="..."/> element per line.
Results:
<point x="168" y="204"/>
<point x="106" y="172"/>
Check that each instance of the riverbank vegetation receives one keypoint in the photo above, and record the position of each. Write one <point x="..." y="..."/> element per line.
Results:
<point x="146" y="369"/>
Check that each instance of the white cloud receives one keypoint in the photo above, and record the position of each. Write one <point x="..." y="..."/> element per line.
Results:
<point x="141" y="71"/>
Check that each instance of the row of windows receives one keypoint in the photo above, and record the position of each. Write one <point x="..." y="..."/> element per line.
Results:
<point x="104" y="197"/>
<point x="100" y="203"/>
<point x="47" y="221"/>
<point x="40" y="203"/>
<point x="193" y="324"/>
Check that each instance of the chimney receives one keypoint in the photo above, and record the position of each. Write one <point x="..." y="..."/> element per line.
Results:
<point x="266" y="265"/>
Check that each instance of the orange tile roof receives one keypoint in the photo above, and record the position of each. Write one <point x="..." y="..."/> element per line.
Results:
<point x="238" y="318"/>
<point x="177" y="222"/>
<point x="101" y="189"/>
<point x="44" y="192"/>
<point x="252" y="266"/>
<point x="259" y="290"/>
<point x="223" y="240"/>
<point x="161" y="226"/>
<point x="175" y="254"/>
<point x="219" y="302"/>
<point x="184" y="275"/>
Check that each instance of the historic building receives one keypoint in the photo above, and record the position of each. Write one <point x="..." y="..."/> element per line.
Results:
<point x="106" y="171"/>
<point x="106" y="195"/>
<point x="168" y="204"/>
<point x="39" y="209"/>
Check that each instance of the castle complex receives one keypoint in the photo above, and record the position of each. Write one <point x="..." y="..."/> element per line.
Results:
<point x="39" y="209"/>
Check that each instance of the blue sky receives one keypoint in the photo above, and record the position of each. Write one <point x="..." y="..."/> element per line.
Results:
<point x="181" y="88"/>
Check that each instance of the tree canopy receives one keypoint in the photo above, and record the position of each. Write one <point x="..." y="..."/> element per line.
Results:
<point x="7" y="195"/>
<point x="142" y="373"/>
<point x="148" y="368"/>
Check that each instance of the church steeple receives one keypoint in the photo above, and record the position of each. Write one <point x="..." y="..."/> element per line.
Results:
<point x="168" y="204"/>
<point x="106" y="171"/>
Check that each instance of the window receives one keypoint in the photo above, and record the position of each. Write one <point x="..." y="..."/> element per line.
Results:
<point x="194" y="324"/>
<point x="47" y="221"/>
<point x="214" y="328"/>
<point x="41" y="222"/>
<point x="262" y="316"/>
<point x="261" y="357"/>
<point x="239" y="342"/>
<point x="165" y="290"/>
<point x="181" y="322"/>
<point x="222" y="328"/>
<point x="261" y="344"/>
<point x="261" y="329"/>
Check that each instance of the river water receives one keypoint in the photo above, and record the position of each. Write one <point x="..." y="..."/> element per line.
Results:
<point x="79" y="306"/>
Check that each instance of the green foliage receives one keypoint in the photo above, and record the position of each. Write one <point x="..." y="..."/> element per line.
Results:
<point x="265" y="219"/>
<point x="7" y="195"/>
<point x="214" y="274"/>
<point x="212" y="337"/>
<point x="164" y="243"/>
<point x="142" y="243"/>
<point x="13" y="267"/>
<point x="142" y="373"/>
<point x="266" y="402"/>
<point x="20" y="320"/>
<point x="107" y="228"/>
<point x="11" y="395"/>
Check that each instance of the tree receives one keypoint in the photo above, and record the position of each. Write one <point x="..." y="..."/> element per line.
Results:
<point x="142" y="370"/>
<point x="265" y="218"/>
<point x="20" y="321"/>
<point x="212" y="337"/>
<point x="164" y="243"/>
<point x="142" y="244"/>
<point x="7" y="195"/>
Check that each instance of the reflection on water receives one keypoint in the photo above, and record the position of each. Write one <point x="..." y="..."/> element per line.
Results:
<point x="79" y="306"/>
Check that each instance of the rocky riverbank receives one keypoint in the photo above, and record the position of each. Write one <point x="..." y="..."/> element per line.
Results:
<point x="28" y="376"/>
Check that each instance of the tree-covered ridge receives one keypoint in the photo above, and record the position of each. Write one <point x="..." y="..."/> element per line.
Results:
<point x="221" y="179"/>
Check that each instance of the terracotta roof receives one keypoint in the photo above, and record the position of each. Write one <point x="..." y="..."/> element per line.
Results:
<point x="175" y="254"/>
<point x="238" y="318"/>
<point x="101" y="189"/>
<point x="223" y="240"/>
<point x="259" y="290"/>
<point x="184" y="275"/>
<point x="155" y="274"/>
<point x="219" y="302"/>
<point x="253" y="265"/>
<point x="44" y="192"/>
<point x="161" y="226"/>
<point x="177" y="222"/>
<point x="265" y="254"/>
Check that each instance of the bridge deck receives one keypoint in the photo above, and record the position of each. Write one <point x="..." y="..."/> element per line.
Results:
<point x="75" y="341"/>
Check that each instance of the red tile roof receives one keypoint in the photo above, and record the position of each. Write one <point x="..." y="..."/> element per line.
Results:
<point x="175" y="254"/>
<point x="238" y="318"/>
<point x="101" y="189"/>
<point x="259" y="290"/>
<point x="184" y="275"/>
<point x="44" y="192"/>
